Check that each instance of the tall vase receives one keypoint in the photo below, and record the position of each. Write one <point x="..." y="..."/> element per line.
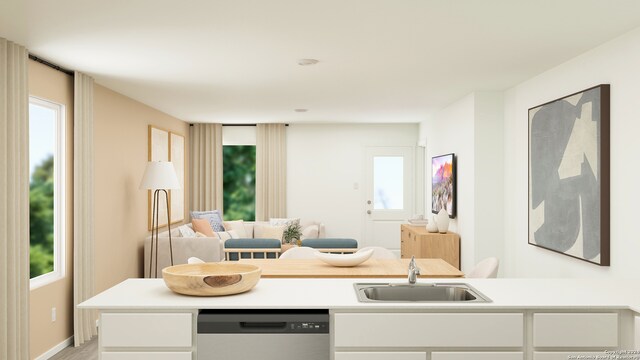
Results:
<point x="443" y="221"/>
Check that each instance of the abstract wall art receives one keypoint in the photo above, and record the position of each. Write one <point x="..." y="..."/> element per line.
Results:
<point x="443" y="184"/>
<point x="569" y="175"/>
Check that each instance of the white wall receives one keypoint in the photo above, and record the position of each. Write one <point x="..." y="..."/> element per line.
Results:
<point x="325" y="161"/>
<point x="615" y="63"/>
<point x="472" y="128"/>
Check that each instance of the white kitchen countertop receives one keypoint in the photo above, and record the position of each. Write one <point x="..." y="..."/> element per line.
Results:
<point x="152" y="294"/>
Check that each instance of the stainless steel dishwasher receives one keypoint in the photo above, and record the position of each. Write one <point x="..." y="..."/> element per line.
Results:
<point x="263" y="335"/>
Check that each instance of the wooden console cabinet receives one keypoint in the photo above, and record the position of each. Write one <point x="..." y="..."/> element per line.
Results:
<point x="417" y="241"/>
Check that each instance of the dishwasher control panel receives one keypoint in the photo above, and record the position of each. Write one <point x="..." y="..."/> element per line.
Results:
<point x="308" y="326"/>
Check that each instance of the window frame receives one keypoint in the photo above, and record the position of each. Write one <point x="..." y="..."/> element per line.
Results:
<point x="59" y="194"/>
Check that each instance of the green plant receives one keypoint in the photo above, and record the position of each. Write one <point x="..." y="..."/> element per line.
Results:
<point x="292" y="233"/>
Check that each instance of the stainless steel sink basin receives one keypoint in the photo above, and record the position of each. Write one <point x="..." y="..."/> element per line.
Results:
<point x="401" y="292"/>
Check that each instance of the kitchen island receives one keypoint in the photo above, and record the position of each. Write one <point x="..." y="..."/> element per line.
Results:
<point x="541" y="319"/>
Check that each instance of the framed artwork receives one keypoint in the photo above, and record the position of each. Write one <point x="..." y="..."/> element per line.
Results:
<point x="158" y="151"/>
<point x="443" y="184"/>
<point x="569" y="175"/>
<point x="176" y="196"/>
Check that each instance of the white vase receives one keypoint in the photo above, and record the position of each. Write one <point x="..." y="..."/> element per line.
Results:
<point x="431" y="225"/>
<point x="442" y="221"/>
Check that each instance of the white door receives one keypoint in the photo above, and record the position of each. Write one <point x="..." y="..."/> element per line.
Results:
<point x="389" y="199"/>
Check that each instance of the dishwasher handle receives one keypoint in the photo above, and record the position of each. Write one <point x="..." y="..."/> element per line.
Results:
<point x="263" y="325"/>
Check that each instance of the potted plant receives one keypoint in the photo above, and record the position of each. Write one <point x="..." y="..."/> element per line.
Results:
<point x="292" y="234"/>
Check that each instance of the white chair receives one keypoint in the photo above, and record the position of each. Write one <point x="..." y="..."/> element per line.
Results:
<point x="485" y="269"/>
<point x="302" y="252"/>
<point x="194" y="260"/>
<point x="379" y="252"/>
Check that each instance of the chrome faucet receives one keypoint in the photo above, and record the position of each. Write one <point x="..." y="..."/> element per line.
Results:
<point x="414" y="271"/>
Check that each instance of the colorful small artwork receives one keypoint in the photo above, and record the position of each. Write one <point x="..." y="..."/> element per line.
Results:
<point x="443" y="184"/>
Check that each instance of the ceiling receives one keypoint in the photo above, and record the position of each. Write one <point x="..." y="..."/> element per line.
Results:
<point x="235" y="61"/>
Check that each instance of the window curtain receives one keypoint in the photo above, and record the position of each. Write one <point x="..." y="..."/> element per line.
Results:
<point x="14" y="203"/>
<point x="271" y="171"/>
<point x="205" y="167"/>
<point x="84" y="321"/>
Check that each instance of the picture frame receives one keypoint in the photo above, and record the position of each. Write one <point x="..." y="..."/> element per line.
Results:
<point x="178" y="158"/>
<point x="569" y="175"/>
<point x="158" y="142"/>
<point x="443" y="184"/>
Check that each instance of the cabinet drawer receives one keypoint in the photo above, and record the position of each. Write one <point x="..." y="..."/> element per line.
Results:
<point x="477" y="356"/>
<point x="586" y="330"/>
<point x="381" y="356"/>
<point x="564" y="355"/>
<point x="434" y="330"/>
<point x="160" y="330"/>
<point x="146" y="356"/>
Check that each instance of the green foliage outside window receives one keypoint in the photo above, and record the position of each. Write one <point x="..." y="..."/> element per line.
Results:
<point x="41" y="218"/>
<point x="239" y="182"/>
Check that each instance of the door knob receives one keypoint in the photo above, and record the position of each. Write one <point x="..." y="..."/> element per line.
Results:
<point x="369" y="212"/>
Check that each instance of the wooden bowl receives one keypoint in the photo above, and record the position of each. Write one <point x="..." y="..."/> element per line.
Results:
<point x="211" y="279"/>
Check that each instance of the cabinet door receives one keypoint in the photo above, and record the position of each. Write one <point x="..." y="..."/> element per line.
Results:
<point x="637" y="333"/>
<point x="429" y="330"/>
<point x="558" y="355"/>
<point x="477" y="356"/>
<point x="146" y="356"/>
<point x="381" y="356"/>
<point x="579" y="330"/>
<point x="157" y="330"/>
<point x="405" y="251"/>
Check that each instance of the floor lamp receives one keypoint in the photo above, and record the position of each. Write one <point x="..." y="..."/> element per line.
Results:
<point x="159" y="176"/>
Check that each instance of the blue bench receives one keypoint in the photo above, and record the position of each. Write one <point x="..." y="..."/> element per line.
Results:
<point x="259" y="248"/>
<point x="349" y="245"/>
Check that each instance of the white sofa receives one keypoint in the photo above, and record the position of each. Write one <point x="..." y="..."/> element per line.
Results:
<point x="206" y="248"/>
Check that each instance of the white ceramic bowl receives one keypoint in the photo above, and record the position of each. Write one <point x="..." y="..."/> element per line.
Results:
<point x="345" y="260"/>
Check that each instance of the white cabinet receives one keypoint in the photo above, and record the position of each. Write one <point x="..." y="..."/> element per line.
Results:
<point x="381" y="356"/>
<point x="376" y="330"/>
<point x="637" y="333"/>
<point x="575" y="330"/>
<point x="157" y="330"/>
<point x="469" y="355"/>
<point x="564" y="355"/>
<point x="146" y="356"/>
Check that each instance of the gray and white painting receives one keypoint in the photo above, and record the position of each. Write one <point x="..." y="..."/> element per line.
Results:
<point x="564" y="175"/>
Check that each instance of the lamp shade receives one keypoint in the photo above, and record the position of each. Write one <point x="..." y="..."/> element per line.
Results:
<point x="159" y="175"/>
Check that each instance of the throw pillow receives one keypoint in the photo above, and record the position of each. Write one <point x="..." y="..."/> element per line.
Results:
<point x="186" y="231"/>
<point x="202" y="226"/>
<point x="269" y="232"/>
<point x="237" y="226"/>
<point x="199" y="234"/>
<point x="214" y="217"/>
<point x="283" y="221"/>
<point x="310" y="232"/>
<point x="226" y="235"/>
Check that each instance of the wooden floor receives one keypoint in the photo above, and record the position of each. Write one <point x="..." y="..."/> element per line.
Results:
<point x="88" y="351"/>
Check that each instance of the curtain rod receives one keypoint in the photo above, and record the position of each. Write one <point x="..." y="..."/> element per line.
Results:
<point x="50" y="64"/>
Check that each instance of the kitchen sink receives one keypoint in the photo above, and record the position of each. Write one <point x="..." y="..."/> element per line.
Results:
<point x="432" y="292"/>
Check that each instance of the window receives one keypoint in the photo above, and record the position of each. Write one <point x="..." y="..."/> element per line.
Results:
<point x="239" y="182"/>
<point x="46" y="191"/>
<point x="388" y="182"/>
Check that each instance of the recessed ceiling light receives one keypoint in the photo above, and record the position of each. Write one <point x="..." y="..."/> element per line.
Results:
<point x="300" y="110"/>
<point x="307" y="62"/>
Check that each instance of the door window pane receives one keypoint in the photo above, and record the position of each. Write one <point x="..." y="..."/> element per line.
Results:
<point x="388" y="182"/>
<point x="239" y="182"/>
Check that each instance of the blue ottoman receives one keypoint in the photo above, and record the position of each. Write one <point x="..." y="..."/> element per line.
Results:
<point x="330" y="243"/>
<point x="251" y="244"/>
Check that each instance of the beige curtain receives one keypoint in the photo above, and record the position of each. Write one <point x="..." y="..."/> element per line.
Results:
<point x="14" y="203"/>
<point x="271" y="171"/>
<point x="84" y="321"/>
<point x="205" y="166"/>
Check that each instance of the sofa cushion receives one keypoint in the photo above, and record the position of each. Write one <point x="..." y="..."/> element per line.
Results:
<point x="202" y="226"/>
<point x="226" y="235"/>
<point x="186" y="231"/>
<point x="237" y="226"/>
<point x="310" y="232"/>
<point x="331" y="243"/>
<point x="284" y="221"/>
<point x="269" y="232"/>
<point x="214" y="217"/>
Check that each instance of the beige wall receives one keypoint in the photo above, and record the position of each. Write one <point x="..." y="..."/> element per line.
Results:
<point x="120" y="139"/>
<point x="53" y="85"/>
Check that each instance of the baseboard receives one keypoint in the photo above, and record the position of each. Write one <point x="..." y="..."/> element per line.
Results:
<point x="56" y="349"/>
